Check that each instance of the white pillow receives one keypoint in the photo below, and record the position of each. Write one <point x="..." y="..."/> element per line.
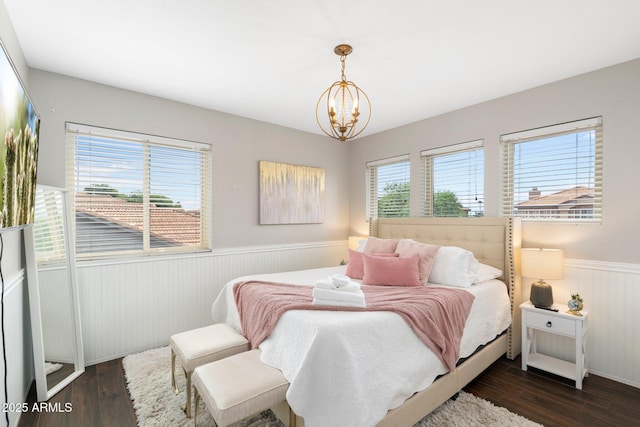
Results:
<point x="487" y="272"/>
<point x="454" y="266"/>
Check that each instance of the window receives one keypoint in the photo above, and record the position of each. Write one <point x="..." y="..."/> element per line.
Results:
<point x="453" y="180"/>
<point x="554" y="173"/>
<point x="388" y="187"/>
<point x="137" y="194"/>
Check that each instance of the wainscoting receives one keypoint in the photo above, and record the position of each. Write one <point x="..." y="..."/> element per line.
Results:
<point x="136" y="305"/>
<point x="17" y="340"/>
<point x="611" y="293"/>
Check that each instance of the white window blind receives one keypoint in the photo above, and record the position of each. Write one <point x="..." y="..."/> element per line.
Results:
<point x="137" y="194"/>
<point x="388" y="187"/>
<point x="554" y="173"/>
<point x="453" y="180"/>
<point x="49" y="227"/>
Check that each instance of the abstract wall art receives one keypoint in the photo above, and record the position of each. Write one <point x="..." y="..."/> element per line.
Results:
<point x="291" y="194"/>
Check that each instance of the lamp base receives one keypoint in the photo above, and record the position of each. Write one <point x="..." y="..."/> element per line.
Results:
<point x="541" y="295"/>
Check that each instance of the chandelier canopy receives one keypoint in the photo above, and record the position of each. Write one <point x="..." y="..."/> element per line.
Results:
<point x="339" y="108"/>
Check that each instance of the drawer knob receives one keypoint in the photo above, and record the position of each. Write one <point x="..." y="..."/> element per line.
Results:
<point x="549" y="324"/>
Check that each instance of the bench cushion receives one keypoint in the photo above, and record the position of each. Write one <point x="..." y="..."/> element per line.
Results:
<point x="239" y="386"/>
<point x="203" y="345"/>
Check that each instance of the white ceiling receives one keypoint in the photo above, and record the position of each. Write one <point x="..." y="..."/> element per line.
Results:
<point x="271" y="60"/>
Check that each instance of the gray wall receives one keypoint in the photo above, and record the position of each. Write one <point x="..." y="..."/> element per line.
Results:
<point x="238" y="145"/>
<point x="613" y="93"/>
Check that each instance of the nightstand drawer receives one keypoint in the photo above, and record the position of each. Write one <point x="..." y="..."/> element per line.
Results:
<point x="553" y="324"/>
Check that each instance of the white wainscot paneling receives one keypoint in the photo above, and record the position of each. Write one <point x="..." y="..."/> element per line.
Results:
<point x="18" y="342"/>
<point x="135" y="305"/>
<point x="611" y="292"/>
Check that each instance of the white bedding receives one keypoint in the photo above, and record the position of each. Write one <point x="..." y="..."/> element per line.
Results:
<point x="350" y="368"/>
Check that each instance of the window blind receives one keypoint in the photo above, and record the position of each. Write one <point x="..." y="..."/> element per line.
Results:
<point x="48" y="227"/>
<point x="388" y="188"/>
<point x="137" y="194"/>
<point x="554" y="173"/>
<point x="453" y="180"/>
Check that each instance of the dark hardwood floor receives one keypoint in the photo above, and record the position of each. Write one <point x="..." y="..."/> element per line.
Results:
<point x="554" y="401"/>
<point x="100" y="398"/>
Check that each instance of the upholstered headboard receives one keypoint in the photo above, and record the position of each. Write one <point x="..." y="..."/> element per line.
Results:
<point x="493" y="241"/>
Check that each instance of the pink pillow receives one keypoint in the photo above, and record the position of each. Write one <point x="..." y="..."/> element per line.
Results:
<point x="426" y="252"/>
<point x="380" y="246"/>
<point x="355" y="266"/>
<point x="391" y="271"/>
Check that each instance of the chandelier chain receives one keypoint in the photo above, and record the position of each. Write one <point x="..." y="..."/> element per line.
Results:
<point x="342" y="60"/>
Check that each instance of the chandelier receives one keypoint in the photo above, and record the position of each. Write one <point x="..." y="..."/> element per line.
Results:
<point x="339" y="108"/>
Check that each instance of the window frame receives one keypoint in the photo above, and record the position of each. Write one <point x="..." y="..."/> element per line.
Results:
<point x="371" y="174"/>
<point x="508" y="142"/>
<point x="428" y="170"/>
<point x="145" y="141"/>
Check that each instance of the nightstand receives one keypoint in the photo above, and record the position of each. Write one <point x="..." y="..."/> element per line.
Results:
<point x="537" y="320"/>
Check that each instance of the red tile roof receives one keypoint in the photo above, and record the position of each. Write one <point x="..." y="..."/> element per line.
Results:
<point x="171" y="224"/>
<point x="559" y="198"/>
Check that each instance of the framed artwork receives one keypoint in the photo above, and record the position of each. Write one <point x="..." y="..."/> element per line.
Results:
<point x="19" y="127"/>
<point x="291" y="194"/>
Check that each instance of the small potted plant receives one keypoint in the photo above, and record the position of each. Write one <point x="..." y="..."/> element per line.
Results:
<point x="575" y="304"/>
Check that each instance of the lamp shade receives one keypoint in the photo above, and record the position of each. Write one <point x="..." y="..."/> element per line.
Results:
<point x="354" y="241"/>
<point x="542" y="263"/>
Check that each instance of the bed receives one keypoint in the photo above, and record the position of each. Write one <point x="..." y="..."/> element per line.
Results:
<point x="339" y="376"/>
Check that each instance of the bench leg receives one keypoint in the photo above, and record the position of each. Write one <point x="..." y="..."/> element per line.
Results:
<point x="292" y="418"/>
<point x="196" y="401"/>
<point x="173" y="372"/>
<point x="187" y="409"/>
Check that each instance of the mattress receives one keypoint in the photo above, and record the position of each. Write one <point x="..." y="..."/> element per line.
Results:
<point x="350" y="368"/>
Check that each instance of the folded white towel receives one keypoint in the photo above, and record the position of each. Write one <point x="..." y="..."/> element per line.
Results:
<point x="351" y="287"/>
<point x="338" y="295"/>
<point x="340" y="279"/>
<point x="320" y="301"/>
<point x="325" y="284"/>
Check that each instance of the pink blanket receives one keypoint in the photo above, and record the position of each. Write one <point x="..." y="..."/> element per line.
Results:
<point x="436" y="315"/>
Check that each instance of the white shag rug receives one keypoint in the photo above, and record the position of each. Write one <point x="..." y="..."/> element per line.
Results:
<point x="148" y="376"/>
<point x="50" y="367"/>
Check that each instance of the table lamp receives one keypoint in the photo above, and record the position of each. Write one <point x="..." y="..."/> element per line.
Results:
<point x="544" y="264"/>
<point x="355" y="241"/>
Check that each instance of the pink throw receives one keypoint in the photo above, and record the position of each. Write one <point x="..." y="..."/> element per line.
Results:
<point x="436" y="315"/>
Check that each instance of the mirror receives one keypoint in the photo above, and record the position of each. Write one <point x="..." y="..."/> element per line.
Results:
<point x="53" y="294"/>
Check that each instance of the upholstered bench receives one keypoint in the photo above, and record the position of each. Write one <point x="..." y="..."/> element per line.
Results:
<point x="238" y="387"/>
<point x="203" y="345"/>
